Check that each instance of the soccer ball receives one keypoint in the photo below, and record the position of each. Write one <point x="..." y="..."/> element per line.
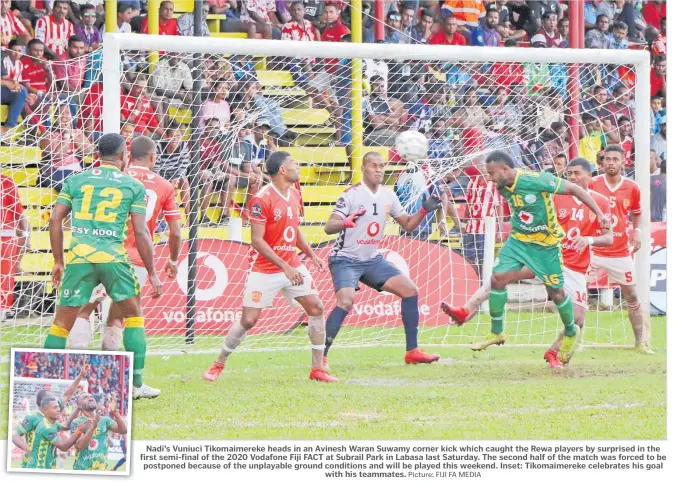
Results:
<point x="412" y="146"/>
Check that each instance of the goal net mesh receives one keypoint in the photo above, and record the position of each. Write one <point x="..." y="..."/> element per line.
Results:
<point x="253" y="105"/>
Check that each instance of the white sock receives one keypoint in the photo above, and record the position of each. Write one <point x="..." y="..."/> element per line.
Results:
<point x="112" y="338"/>
<point x="234" y="337"/>
<point x="80" y="334"/>
<point x="478" y="297"/>
<point x="316" y="333"/>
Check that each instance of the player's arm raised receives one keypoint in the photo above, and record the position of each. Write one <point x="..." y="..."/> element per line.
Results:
<point x="584" y="197"/>
<point x="73" y="386"/>
<point x="120" y="423"/>
<point x="410" y="222"/>
<point x="71" y="418"/>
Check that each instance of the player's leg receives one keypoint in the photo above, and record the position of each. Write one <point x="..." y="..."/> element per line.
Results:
<point x="81" y="332"/>
<point x="636" y="318"/>
<point x="75" y="291"/>
<point x="113" y="333"/>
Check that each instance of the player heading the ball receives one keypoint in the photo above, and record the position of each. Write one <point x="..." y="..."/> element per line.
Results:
<point x="534" y="242"/>
<point x="101" y="201"/>
<point x="359" y="218"/>
<point x="274" y="219"/>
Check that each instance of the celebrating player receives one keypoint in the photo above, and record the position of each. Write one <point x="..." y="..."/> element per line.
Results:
<point x="535" y="242"/>
<point x="582" y="231"/>
<point x="624" y="197"/>
<point x="42" y="452"/>
<point x="274" y="219"/>
<point x="160" y="200"/>
<point x="359" y="218"/>
<point x="101" y="200"/>
<point x="92" y="446"/>
<point x="25" y="433"/>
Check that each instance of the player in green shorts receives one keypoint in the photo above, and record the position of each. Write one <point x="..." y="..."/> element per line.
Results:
<point x="46" y="439"/>
<point x="25" y="432"/>
<point x="534" y="242"/>
<point x="101" y="200"/>
<point x="92" y="446"/>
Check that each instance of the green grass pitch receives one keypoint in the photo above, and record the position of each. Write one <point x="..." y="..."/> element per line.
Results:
<point x="502" y="393"/>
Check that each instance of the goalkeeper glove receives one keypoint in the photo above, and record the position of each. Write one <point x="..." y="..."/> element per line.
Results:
<point x="349" y="222"/>
<point x="430" y="204"/>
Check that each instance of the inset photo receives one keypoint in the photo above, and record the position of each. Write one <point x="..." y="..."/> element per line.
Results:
<point x="69" y="412"/>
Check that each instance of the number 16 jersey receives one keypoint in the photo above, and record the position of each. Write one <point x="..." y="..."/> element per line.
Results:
<point x="101" y="200"/>
<point x="361" y="241"/>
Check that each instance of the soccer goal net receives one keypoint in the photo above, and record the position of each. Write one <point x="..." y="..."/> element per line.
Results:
<point x="217" y="107"/>
<point x="25" y="390"/>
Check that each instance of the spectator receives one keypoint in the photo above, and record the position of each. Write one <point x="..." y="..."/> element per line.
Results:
<point x="172" y="81"/>
<point x="383" y="117"/>
<point x="540" y="8"/>
<point x="12" y="60"/>
<point x="69" y="67"/>
<point x="172" y="162"/>
<point x="391" y="32"/>
<point x="259" y="16"/>
<point x="167" y="24"/>
<point x="37" y="77"/>
<point x="217" y="107"/>
<point x="598" y="105"/>
<point x="186" y="22"/>
<point x="91" y="113"/>
<point x="500" y="6"/>
<point x="252" y="101"/>
<point x="547" y="36"/>
<point x="657" y="188"/>
<point x="87" y="31"/>
<point x="598" y="37"/>
<point x="502" y="112"/>
<point x="124" y="15"/>
<point x="14" y="95"/>
<point x="549" y="109"/>
<point x="657" y="112"/>
<point x="422" y="31"/>
<point x="334" y="28"/>
<point x="137" y="109"/>
<point x="590" y="14"/>
<point x="653" y="11"/>
<point x="261" y="146"/>
<point x="560" y="164"/>
<point x="12" y="28"/>
<point x="592" y="139"/>
<point x="314" y="10"/>
<point x="658" y="77"/>
<point x="466" y="12"/>
<point x="55" y="29"/>
<point x="625" y="140"/>
<point x="622" y="104"/>
<point x="412" y="187"/>
<point x="448" y="35"/>
<point x="658" y="141"/>
<point x="283" y="11"/>
<point x="299" y="28"/>
<point x="63" y="148"/>
<point x="521" y="20"/>
<point x="554" y="143"/>
<point x="488" y="34"/>
<point x="609" y="8"/>
<point x="617" y="39"/>
<point x="472" y="114"/>
<point x="564" y="32"/>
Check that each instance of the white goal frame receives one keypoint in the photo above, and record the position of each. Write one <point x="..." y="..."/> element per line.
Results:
<point x="114" y="43"/>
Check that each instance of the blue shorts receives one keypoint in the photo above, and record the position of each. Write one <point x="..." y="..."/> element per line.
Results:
<point x="347" y="272"/>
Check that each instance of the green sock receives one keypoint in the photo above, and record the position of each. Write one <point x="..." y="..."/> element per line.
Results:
<point x="56" y="338"/>
<point x="134" y="341"/>
<point x="565" y="310"/>
<point x="496" y="305"/>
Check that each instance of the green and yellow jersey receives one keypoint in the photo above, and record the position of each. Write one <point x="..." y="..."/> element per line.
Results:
<point x="533" y="214"/>
<point x="42" y="450"/>
<point x="94" y="456"/>
<point x="101" y="200"/>
<point x="27" y="428"/>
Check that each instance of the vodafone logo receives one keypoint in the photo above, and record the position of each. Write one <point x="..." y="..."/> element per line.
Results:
<point x="217" y="268"/>
<point x="373" y="229"/>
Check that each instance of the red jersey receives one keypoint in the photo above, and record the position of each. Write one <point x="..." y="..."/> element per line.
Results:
<point x="160" y="197"/>
<point x="169" y="28"/>
<point x="11" y="27"/>
<point x="146" y="118"/>
<point x="10" y="207"/>
<point x="33" y="73"/>
<point x="578" y="221"/>
<point x="333" y="33"/>
<point x="92" y="107"/>
<point x="440" y="38"/>
<point x="281" y="216"/>
<point x="624" y="199"/>
<point x="54" y="35"/>
<point x="482" y="198"/>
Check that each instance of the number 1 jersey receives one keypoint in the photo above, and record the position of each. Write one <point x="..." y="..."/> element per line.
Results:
<point x="101" y="200"/>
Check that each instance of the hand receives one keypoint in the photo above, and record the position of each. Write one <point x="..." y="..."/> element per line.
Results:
<point x="580" y="244"/>
<point x="113" y="405"/>
<point x="32" y="99"/>
<point x="635" y="241"/>
<point x="16" y="86"/>
<point x="57" y="274"/>
<point x="349" y="222"/>
<point x="294" y="276"/>
<point x="171" y="270"/>
<point x="156" y="286"/>
<point x="84" y="371"/>
<point x="84" y="426"/>
<point x="430" y="204"/>
<point x="604" y="222"/>
<point x="321" y="264"/>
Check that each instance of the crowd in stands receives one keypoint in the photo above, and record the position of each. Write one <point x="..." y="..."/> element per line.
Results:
<point x="50" y="59"/>
<point x="102" y="378"/>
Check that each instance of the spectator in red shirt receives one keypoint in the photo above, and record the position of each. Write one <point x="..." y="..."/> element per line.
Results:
<point x="333" y="32"/>
<point x="69" y="67"/>
<point x="653" y="12"/>
<point x="55" y="29"/>
<point x="167" y="24"/>
<point x="137" y="109"/>
<point x="36" y="78"/>
<point x="91" y="112"/>
<point x="11" y="25"/>
<point x="658" y="77"/>
<point x="449" y="34"/>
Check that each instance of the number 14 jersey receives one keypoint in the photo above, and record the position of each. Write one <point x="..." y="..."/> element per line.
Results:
<point x="101" y="199"/>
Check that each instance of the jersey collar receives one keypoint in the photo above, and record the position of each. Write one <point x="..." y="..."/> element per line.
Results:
<point x="516" y="179"/>
<point x="616" y="187"/>
<point x="287" y="199"/>
<point x="378" y="190"/>
<point x="109" y="167"/>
